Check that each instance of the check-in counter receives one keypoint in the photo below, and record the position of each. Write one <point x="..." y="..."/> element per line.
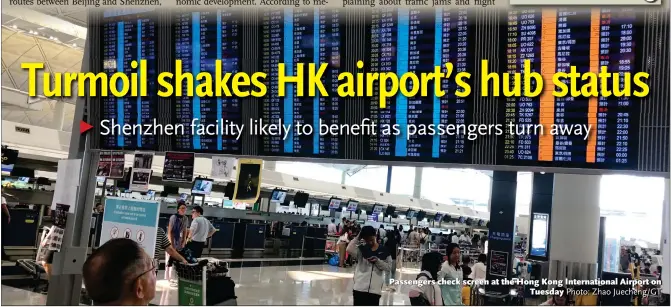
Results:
<point x="22" y="227"/>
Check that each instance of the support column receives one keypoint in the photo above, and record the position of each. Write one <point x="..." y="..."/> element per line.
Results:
<point x="343" y="177"/>
<point x="575" y="227"/>
<point x="540" y="216"/>
<point x="501" y="228"/>
<point x="664" y="245"/>
<point x="388" y="189"/>
<point x="269" y="165"/>
<point x="417" y="190"/>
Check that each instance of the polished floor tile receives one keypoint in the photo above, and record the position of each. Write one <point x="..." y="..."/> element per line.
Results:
<point x="14" y="296"/>
<point x="293" y="285"/>
<point x="274" y="285"/>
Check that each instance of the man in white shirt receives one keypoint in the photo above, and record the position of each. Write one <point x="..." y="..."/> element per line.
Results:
<point x="201" y="229"/>
<point x="479" y="270"/>
<point x="381" y="233"/>
<point x="455" y="238"/>
<point x="464" y="238"/>
<point x="332" y="229"/>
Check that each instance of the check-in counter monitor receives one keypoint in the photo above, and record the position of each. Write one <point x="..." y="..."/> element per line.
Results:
<point x="223" y="238"/>
<point x="255" y="236"/>
<point x="23" y="228"/>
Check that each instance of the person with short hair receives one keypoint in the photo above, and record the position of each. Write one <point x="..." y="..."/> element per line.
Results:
<point x="201" y="229"/>
<point x="120" y="273"/>
<point x="373" y="260"/>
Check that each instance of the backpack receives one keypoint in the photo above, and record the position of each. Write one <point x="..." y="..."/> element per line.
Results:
<point x="420" y="300"/>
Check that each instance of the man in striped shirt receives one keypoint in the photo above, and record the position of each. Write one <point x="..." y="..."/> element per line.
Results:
<point x="163" y="246"/>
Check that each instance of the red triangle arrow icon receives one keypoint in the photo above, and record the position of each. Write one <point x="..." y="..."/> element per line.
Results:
<point x="84" y="126"/>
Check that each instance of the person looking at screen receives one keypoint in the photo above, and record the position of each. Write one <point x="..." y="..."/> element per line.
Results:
<point x="177" y="233"/>
<point x="120" y="273"/>
<point x="479" y="270"/>
<point x="452" y="272"/>
<point x="373" y="260"/>
<point x="201" y="229"/>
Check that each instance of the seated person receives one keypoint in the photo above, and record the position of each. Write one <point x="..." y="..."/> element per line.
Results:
<point x="120" y="273"/>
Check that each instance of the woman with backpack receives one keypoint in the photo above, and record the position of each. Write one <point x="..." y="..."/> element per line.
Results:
<point x="426" y="291"/>
<point x="452" y="273"/>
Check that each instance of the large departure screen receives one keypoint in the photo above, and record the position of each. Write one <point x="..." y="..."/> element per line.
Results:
<point x="553" y="40"/>
<point x="128" y="36"/>
<point x="208" y="41"/>
<point x="293" y="36"/>
<point x="413" y="40"/>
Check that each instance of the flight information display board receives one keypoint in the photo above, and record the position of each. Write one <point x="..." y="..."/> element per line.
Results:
<point x="292" y="36"/>
<point x="128" y="36"/>
<point x="412" y="40"/>
<point x="208" y="41"/>
<point x="553" y="40"/>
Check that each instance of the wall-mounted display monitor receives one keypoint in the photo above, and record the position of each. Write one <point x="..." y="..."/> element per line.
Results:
<point x="301" y="199"/>
<point x="421" y="215"/>
<point x="438" y="217"/>
<point x="539" y="235"/>
<point x="390" y="210"/>
<point x="410" y="214"/>
<point x="278" y="196"/>
<point x="334" y="203"/>
<point x="378" y="209"/>
<point x="202" y="186"/>
<point x="352" y="205"/>
<point x="462" y="219"/>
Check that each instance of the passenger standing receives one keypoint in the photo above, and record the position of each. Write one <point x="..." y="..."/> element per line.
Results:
<point x="332" y="229"/>
<point x="201" y="229"/>
<point x="428" y="293"/>
<point x="342" y="245"/>
<point x="455" y="238"/>
<point x="393" y="239"/>
<point x="373" y="260"/>
<point x="451" y="272"/>
<point x="480" y="268"/>
<point x="381" y="234"/>
<point x="177" y="232"/>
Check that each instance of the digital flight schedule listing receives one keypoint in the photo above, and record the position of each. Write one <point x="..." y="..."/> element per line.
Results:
<point x="415" y="41"/>
<point x="554" y="40"/>
<point x="389" y="84"/>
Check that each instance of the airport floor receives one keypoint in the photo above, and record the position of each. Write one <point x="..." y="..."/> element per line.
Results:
<point x="270" y="285"/>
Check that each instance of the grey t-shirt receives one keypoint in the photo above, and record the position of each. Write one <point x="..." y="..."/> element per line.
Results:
<point x="200" y="227"/>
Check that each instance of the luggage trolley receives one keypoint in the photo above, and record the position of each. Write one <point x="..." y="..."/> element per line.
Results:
<point x="205" y="283"/>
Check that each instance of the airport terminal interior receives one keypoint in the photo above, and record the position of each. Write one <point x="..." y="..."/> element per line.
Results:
<point x="267" y="220"/>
